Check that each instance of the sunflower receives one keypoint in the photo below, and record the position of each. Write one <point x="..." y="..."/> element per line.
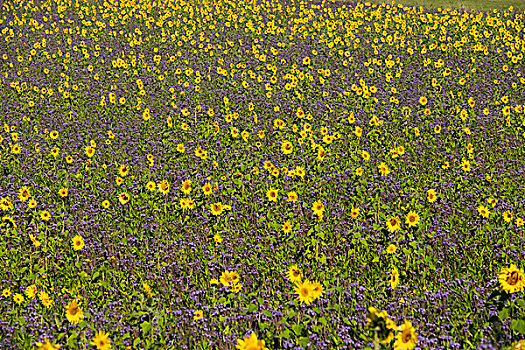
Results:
<point x="73" y="312"/>
<point x="217" y="238"/>
<point x="123" y="170"/>
<point x="90" y="151"/>
<point x="101" y="341"/>
<point x="519" y="222"/>
<point x="123" y="198"/>
<point x="412" y="219"/>
<point x="45" y="216"/>
<point x="8" y="222"/>
<point x="394" y="278"/>
<point x="391" y="249"/>
<point x="381" y="325"/>
<point x="299" y="171"/>
<point x="272" y="194"/>
<point x="18" y="298"/>
<point x="16" y="149"/>
<point x="507" y="216"/>
<point x="53" y="135"/>
<point x="186" y="187"/>
<point x="119" y="180"/>
<point x="6" y="292"/>
<point x="286" y="147"/>
<point x="229" y="278"/>
<point x="292" y="196"/>
<point x="483" y="211"/>
<point x="304" y="292"/>
<point x="55" y="151"/>
<point x="359" y="171"/>
<point x="519" y="345"/>
<point x="31" y="291"/>
<point x="6" y="204"/>
<point x="207" y="189"/>
<point x="431" y="195"/>
<point x="198" y="314"/>
<point x="251" y="343"/>
<point x="47" y="345"/>
<point x="105" y="204"/>
<point x="180" y="148"/>
<point x="465" y="165"/>
<point x="164" y="187"/>
<point x="63" y="192"/>
<point x="151" y="186"/>
<point x="217" y="208"/>
<point x="147" y="289"/>
<point x="317" y="289"/>
<point x="511" y="279"/>
<point x="383" y="168"/>
<point x="393" y="224"/>
<point x="45" y="299"/>
<point x="236" y="288"/>
<point x="406" y="338"/>
<point x="77" y="242"/>
<point x="294" y="274"/>
<point x="24" y="194"/>
<point x="365" y="155"/>
<point x="354" y="212"/>
<point x="287" y="227"/>
<point x="318" y="208"/>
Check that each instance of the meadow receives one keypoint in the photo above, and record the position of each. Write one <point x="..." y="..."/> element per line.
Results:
<point x="261" y="175"/>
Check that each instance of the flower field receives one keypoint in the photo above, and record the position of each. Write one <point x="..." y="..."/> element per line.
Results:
<point x="261" y="175"/>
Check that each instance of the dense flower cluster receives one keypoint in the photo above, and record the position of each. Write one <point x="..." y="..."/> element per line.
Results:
<point x="216" y="174"/>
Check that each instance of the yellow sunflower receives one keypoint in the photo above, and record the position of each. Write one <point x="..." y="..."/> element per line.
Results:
<point x="216" y="208"/>
<point x="511" y="279"/>
<point x="198" y="315"/>
<point x="294" y="274"/>
<point x="272" y="194"/>
<point x="318" y="208"/>
<point x="406" y="338"/>
<point x="412" y="219"/>
<point x="73" y="312"/>
<point x="77" y="242"/>
<point x="304" y="292"/>
<point x="123" y="198"/>
<point x="394" y="278"/>
<point x="101" y="341"/>
<point x="47" y="345"/>
<point x="251" y="343"/>
<point x="24" y="194"/>
<point x="393" y="224"/>
<point x="164" y="187"/>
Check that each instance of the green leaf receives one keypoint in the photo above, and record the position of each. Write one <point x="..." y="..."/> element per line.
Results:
<point x="504" y="313"/>
<point x="267" y="313"/>
<point x="72" y="338"/>
<point x="136" y="342"/>
<point x="297" y="329"/>
<point x="285" y="334"/>
<point x="146" y="326"/>
<point x="520" y="302"/>
<point x="518" y="326"/>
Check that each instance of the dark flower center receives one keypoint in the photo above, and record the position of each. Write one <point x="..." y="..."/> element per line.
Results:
<point x="407" y="336"/>
<point x="513" y="278"/>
